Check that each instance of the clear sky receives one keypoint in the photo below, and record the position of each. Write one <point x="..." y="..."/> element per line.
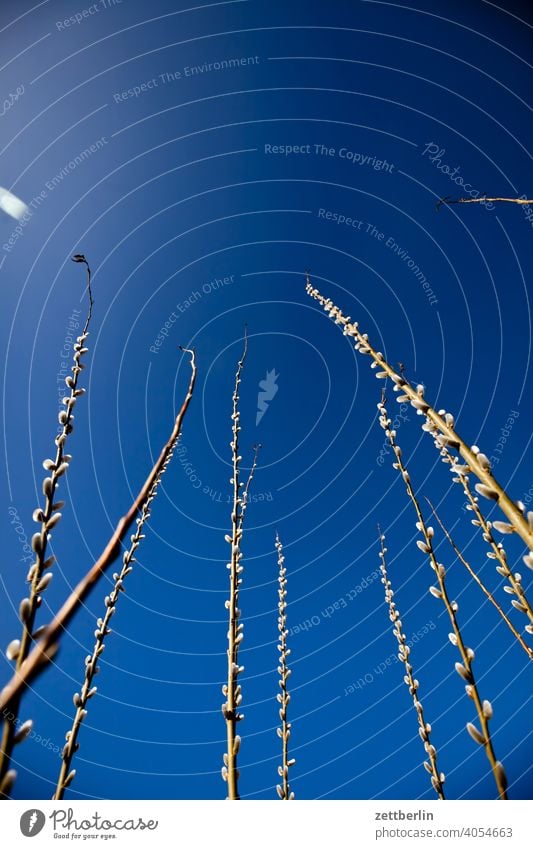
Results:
<point x="202" y="158"/>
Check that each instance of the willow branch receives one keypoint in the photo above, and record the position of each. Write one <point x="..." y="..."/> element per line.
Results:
<point x="464" y="669"/>
<point x="424" y="728"/>
<point x="81" y="699"/>
<point x="46" y="647"/>
<point x="489" y="486"/>
<point x="232" y="689"/>
<point x="284" y="731"/>
<point x="47" y="518"/>
<point x="497" y="552"/>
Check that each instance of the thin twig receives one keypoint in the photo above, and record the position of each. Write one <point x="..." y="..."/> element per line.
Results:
<point x="497" y="552"/>
<point x="47" y="518"/>
<point x="46" y="647"/>
<point x="447" y="201"/>
<point x="480" y="583"/>
<point x="284" y="732"/>
<point x="483" y="708"/>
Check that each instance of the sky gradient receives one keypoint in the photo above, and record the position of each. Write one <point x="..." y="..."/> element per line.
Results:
<point x="202" y="159"/>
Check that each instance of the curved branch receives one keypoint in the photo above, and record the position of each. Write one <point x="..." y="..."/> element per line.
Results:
<point x="49" y="641"/>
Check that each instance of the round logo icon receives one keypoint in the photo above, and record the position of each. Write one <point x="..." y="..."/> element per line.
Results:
<point x="32" y="822"/>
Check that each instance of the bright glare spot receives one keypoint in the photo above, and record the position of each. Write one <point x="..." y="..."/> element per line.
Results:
<point x="11" y="204"/>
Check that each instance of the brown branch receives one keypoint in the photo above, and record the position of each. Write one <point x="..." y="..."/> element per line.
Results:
<point x="81" y="699"/>
<point x="48" y="643"/>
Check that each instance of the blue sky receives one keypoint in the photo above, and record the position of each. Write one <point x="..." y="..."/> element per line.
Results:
<point x="322" y="139"/>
